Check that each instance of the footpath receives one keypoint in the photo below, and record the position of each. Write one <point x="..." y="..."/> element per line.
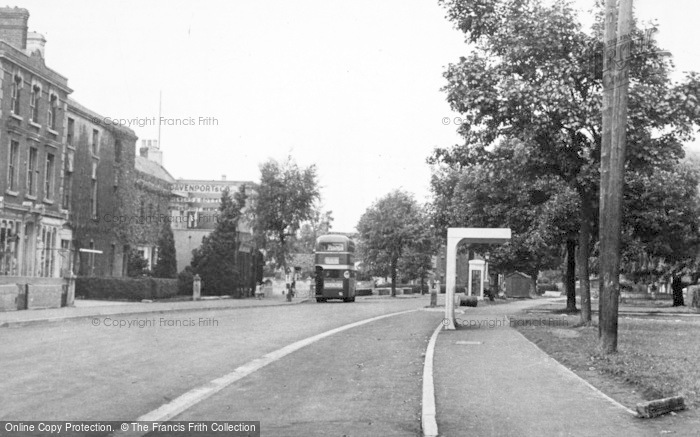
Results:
<point x="491" y="380"/>
<point x="95" y="308"/>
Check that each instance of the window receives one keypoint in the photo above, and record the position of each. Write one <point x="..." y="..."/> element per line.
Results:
<point x="112" y="259"/>
<point x="13" y="166"/>
<point x="49" y="175"/>
<point x="16" y="94"/>
<point x="118" y="151"/>
<point x="32" y="171"/>
<point x="93" y="199"/>
<point x="70" y="131"/>
<point x="142" y="209"/>
<point x="67" y="179"/>
<point x="34" y="103"/>
<point x="53" y="110"/>
<point x="95" y="142"/>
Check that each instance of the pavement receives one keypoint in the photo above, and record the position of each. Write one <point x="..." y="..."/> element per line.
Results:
<point x="491" y="380"/>
<point x="95" y="308"/>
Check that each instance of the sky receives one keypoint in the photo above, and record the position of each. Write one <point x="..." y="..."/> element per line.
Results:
<point x="351" y="87"/>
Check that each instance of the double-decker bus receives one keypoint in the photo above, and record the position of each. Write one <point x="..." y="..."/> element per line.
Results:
<point x="335" y="268"/>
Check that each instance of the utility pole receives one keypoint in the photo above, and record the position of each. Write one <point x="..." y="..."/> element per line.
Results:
<point x="613" y="146"/>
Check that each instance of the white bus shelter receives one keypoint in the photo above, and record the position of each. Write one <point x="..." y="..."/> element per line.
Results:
<point x="470" y="236"/>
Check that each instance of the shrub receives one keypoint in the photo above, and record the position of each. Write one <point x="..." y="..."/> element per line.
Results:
<point x="460" y="289"/>
<point x="541" y="288"/>
<point x="184" y="281"/>
<point x="110" y="288"/>
<point x="363" y="291"/>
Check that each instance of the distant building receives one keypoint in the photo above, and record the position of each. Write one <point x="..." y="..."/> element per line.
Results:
<point x="195" y="210"/>
<point x="153" y="189"/>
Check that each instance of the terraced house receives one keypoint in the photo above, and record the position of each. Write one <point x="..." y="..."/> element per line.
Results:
<point x="74" y="197"/>
<point x="34" y="238"/>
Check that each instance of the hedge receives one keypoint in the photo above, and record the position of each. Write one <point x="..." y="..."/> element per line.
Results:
<point x="541" y="288"/>
<point x="460" y="289"/>
<point x="110" y="288"/>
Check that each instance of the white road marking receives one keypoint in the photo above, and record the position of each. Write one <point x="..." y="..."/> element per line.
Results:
<point x="196" y="395"/>
<point x="428" y="422"/>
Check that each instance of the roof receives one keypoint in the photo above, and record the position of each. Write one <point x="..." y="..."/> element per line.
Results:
<point x="332" y="238"/>
<point x="145" y="165"/>
<point x="97" y="119"/>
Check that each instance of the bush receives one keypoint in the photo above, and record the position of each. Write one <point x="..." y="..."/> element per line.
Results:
<point x="460" y="289"/>
<point x="363" y="292"/>
<point x="416" y="289"/>
<point x="110" y="288"/>
<point x="184" y="281"/>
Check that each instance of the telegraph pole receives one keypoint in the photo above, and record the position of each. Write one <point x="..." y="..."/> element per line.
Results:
<point x="613" y="147"/>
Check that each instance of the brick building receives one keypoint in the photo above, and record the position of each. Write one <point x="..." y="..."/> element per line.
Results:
<point x="74" y="196"/>
<point x="34" y="236"/>
<point x="96" y="188"/>
<point x="153" y="190"/>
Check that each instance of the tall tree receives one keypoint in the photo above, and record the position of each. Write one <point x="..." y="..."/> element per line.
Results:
<point x="417" y="260"/>
<point x="532" y="77"/>
<point x="216" y="260"/>
<point x="319" y="224"/>
<point x="497" y="193"/>
<point x="166" y="266"/>
<point x="284" y="199"/>
<point x="387" y="229"/>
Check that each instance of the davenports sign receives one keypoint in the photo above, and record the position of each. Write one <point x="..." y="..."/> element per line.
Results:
<point x="204" y="188"/>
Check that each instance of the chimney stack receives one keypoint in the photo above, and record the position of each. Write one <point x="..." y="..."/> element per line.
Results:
<point x="13" y="26"/>
<point x="223" y="177"/>
<point x="143" y="151"/>
<point x="35" y="41"/>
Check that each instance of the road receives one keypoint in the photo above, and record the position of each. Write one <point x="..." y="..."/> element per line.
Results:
<point x="361" y="381"/>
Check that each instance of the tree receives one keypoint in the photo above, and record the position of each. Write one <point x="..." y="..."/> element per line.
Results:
<point x="530" y="78"/>
<point x="417" y="260"/>
<point x="661" y="223"/>
<point x="137" y="265"/>
<point x="541" y="212"/>
<point x="387" y="229"/>
<point x="166" y="266"/>
<point x="284" y="199"/>
<point x="319" y="224"/>
<point x="216" y="260"/>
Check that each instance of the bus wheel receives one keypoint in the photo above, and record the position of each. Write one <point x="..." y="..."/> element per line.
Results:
<point x="320" y="299"/>
<point x="352" y="299"/>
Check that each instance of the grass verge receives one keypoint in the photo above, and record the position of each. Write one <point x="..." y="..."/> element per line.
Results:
<point x="655" y="359"/>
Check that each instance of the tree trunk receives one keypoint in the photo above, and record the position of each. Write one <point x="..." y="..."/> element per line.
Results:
<point x="584" y="242"/>
<point x="677" y="287"/>
<point x="394" y="263"/>
<point x="570" y="275"/>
